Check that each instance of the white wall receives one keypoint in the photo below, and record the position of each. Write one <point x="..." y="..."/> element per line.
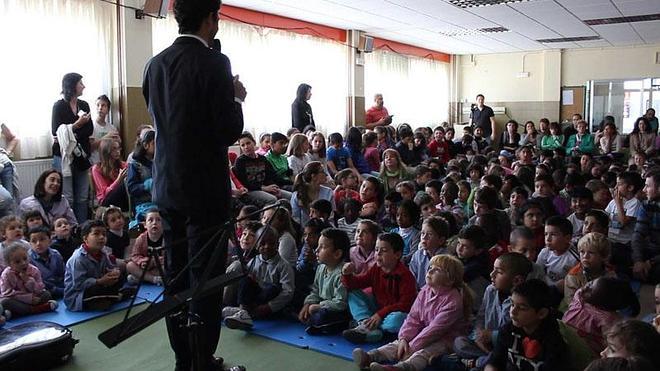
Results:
<point x="581" y="65"/>
<point x="137" y="47"/>
<point x="496" y="76"/>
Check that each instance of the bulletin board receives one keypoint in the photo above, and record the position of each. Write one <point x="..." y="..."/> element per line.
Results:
<point x="572" y="101"/>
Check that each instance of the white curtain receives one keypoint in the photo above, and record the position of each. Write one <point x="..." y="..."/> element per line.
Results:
<point x="415" y="90"/>
<point x="271" y="64"/>
<point x="41" y="40"/>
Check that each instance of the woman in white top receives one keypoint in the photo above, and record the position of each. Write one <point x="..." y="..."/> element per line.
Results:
<point x="611" y="141"/>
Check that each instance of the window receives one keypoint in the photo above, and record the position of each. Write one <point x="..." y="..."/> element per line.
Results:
<point x="271" y="64"/>
<point x="42" y="40"/>
<point x="415" y="90"/>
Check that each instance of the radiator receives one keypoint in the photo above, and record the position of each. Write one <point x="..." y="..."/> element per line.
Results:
<point x="28" y="172"/>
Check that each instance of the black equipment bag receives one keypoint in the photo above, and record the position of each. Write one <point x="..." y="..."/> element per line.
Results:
<point x="35" y="346"/>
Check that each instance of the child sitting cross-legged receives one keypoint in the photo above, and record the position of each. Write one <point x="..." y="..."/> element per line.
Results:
<point x="509" y="271"/>
<point x="47" y="260"/>
<point x="393" y="288"/>
<point x="92" y="281"/>
<point x="307" y="263"/>
<point x="407" y="216"/>
<point x="325" y="309"/>
<point x="141" y="263"/>
<point x="471" y="250"/>
<point x="22" y="291"/>
<point x="267" y="288"/>
<point x="439" y="314"/>
<point x="118" y="238"/>
<point x="594" y="308"/>
<point x="531" y="341"/>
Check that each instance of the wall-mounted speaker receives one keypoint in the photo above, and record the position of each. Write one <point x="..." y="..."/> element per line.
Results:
<point x="366" y="44"/>
<point x="156" y="8"/>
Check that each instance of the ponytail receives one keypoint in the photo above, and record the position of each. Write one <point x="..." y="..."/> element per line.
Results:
<point x="301" y="185"/>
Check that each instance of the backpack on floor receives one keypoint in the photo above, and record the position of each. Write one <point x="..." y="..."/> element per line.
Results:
<point x="35" y="346"/>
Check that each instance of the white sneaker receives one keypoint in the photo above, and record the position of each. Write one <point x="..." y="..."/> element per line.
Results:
<point x="241" y="320"/>
<point x="229" y="311"/>
<point x="53" y="304"/>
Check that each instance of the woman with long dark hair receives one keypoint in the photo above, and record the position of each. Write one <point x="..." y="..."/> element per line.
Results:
<point x="642" y="138"/>
<point x="48" y="200"/>
<point x="308" y="188"/>
<point x="301" y="111"/>
<point x="74" y="152"/>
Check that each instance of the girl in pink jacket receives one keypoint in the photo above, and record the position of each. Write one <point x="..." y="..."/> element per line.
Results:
<point x="439" y="314"/>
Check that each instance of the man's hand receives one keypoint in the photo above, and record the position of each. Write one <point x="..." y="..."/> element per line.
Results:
<point x="239" y="89"/>
<point x="373" y="322"/>
<point x="402" y="350"/>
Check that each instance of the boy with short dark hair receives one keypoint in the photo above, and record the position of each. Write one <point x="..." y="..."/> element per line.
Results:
<point x="423" y="174"/>
<point x="596" y="221"/>
<point x="581" y="200"/>
<point x="509" y="271"/>
<point x="349" y="222"/>
<point x="49" y="261"/>
<point x="267" y="288"/>
<point x="321" y="209"/>
<point x="556" y="257"/>
<point x="531" y="341"/>
<point x="623" y="211"/>
<point x="392" y="201"/>
<point x="277" y="158"/>
<point x="393" y="289"/>
<point x="92" y="281"/>
<point x="325" y="309"/>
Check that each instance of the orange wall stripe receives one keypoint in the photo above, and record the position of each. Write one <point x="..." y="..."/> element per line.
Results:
<point x="228" y="12"/>
<point x="410" y="50"/>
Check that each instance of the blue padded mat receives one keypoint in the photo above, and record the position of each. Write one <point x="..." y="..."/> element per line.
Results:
<point x="293" y="333"/>
<point x="66" y="317"/>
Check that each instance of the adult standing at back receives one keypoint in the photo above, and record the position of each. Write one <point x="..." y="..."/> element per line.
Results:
<point x="483" y="117"/>
<point x="195" y="104"/>
<point x="301" y="111"/>
<point x="377" y="115"/>
<point x="68" y="157"/>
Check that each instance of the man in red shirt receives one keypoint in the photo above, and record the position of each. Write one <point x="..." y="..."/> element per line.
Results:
<point x="377" y="115"/>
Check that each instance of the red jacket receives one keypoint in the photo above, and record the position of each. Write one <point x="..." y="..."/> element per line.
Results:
<point x="394" y="292"/>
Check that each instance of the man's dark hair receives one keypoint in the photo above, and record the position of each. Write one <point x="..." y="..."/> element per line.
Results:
<point x="190" y="14"/>
<point x="480" y="95"/>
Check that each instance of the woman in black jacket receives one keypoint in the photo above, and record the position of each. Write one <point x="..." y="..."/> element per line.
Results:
<point x="301" y="111"/>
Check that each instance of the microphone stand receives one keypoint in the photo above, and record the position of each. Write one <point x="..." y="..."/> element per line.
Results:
<point x="205" y="286"/>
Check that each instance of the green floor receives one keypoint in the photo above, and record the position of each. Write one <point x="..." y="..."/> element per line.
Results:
<point x="149" y="350"/>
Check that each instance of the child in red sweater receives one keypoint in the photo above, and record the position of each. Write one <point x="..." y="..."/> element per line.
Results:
<point x="393" y="287"/>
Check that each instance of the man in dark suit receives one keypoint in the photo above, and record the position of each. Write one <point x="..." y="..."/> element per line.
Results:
<point x="195" y="104"/>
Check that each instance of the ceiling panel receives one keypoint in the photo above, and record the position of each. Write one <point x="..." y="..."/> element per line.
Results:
<point x="514" y="20"/>
<point x="565" y="45"/>
<point x="618" y="34"/>
<point x="554" y="16"/>
<point x="594" y="44"/>
<point x="519" y="41"/>
<point x="591" y="9"/>
<point x="638" y="7"/>
<point x="649" y="31"/>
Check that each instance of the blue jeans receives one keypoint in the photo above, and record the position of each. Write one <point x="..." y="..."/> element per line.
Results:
<point x="57" y="163"/>
<point x="76" y="190"/>
<point x="6" y="202"/>
<point x="363" y="306"/>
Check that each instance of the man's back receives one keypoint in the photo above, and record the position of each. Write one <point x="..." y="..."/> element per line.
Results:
<point x="189" y="92"/>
